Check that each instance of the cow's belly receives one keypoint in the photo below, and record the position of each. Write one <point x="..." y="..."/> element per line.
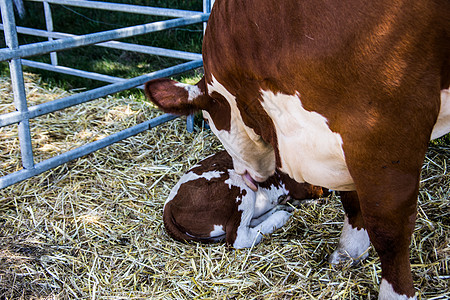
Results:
<point x="442" y="125"/>
<point x="309" y="150"/>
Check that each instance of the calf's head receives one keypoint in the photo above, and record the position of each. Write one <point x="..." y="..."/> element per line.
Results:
<point x="252" y="157"/>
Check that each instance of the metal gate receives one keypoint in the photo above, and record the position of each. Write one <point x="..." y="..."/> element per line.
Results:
<point x="15" y="54"/>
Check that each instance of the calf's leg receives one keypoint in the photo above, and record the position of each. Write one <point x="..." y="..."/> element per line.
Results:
<point x="256" y="221"/>
<point x="248" y="236"/>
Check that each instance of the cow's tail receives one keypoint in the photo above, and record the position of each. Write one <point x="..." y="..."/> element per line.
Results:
<point x="177" y="231"/>
<point x="20" y="8"/>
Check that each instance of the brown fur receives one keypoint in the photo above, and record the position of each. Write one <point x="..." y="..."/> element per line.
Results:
<point x="373" y="69"/>
<point x="200" y="204"/>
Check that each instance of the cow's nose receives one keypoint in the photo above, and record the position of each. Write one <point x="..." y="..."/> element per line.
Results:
<point x="239" y="168"/>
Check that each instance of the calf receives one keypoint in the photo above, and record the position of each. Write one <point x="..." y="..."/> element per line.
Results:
<point x="211" y="202"/>
<point x="340" y="94"/>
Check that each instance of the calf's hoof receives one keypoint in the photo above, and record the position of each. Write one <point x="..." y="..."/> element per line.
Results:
<point x="282" y="216"/>
<point x="285" y="207"/>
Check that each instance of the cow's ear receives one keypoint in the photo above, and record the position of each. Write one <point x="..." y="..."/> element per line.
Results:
<point x="176" y="98"/>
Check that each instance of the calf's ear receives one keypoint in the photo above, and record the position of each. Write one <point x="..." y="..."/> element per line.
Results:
<point x="176" y="98"/>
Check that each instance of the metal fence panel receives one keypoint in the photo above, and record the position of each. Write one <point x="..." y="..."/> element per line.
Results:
<point x="95" y="38"/>
<point x="15" y="53"/>
<point x="138" y="9"/>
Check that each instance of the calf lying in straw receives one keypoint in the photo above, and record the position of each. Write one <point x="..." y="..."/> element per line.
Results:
<point x="211" y="202"/>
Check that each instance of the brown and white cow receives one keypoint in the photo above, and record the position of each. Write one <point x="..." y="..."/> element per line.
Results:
<point x="211" y="203"/>
<point x="341" y="94"/>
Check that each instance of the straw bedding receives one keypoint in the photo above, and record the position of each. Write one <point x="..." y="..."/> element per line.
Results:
<point x="92" y="229"/>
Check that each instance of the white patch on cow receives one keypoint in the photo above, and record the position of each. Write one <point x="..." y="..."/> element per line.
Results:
<point x="442" y="125"/>
<point x="387" y="292"/>
<point x="353" y="245"/>
<point x="249" y="236"/>
<point x="190" y="176"/>
<point x="218" y="231"/>
<point x="193" y="90"/>
<point x="266" y="199"/>
<point x="210" y="175"/>
<point x="310" y="151"/>
<point x="249" y="152"/>
<point x="263" y="203"/>
<point x="236" y="180"/>
<point x="263" y="199"/>
<point x="252" y="203"/>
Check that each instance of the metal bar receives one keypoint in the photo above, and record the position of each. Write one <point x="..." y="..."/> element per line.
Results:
<point x="95" y="38"/>
<point x="18" y="85"/>
<point x="138" y="9"/>
<point x="49" y="24"/>
<point x="190" y="123"/>
<point x="152" y="50"/>
<point x="52" y="106"/>
<point x="207" y="5"/>
<point x="55" y="161"/>
<point x="115" y="45"/>
<point x="71" y="71"/>
<point x="15" y="53"/>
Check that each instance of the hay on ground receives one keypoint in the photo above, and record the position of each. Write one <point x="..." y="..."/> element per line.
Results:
<point x="92" y="228"/>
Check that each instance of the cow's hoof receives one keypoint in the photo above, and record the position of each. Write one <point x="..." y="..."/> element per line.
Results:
<point x="341" y="257"/>
<point x="387" y="293"/>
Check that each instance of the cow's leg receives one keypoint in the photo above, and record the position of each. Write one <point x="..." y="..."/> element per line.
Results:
<point x="390" y="220"/>
<point x="388" y="199"/>
<point x="354" y="241"/>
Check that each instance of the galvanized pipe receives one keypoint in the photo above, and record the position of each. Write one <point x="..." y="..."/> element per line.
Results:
<point x="207" y="6"/>
<point x="71" y="71"/>
<point x="52" y="106"/>
<point x="49" y="24"/>
<point x="137" y="9"/>
<point x="115" y="45"/>
<point x="95" y="38"/>
<point x="18" y="85"/>
<point x="14" y="53"/>
<point x="55" y="161"/>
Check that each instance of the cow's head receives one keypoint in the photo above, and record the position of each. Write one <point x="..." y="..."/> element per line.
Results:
<point x="253" y="158"/>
